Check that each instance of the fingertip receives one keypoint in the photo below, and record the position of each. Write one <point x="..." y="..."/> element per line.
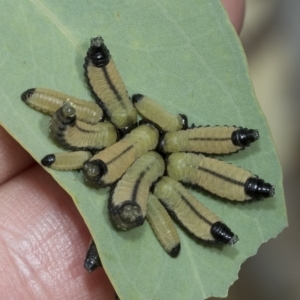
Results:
<point x="236" y="12"/>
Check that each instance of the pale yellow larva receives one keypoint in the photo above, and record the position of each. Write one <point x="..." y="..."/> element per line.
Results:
<point x="152" y="111"/>
<point x="49" y="101"/>
<point x="191" y="214"/>
<point x="128" y="200"/>
<point x="218" y="177"/>
<point x="66" y="161"/>
<point x="110" y="164"/>
<point x="108" y="86"/>
<point x="163" y="226"/>
<point x="77" y="135"/>
<point x="209" y="139"/>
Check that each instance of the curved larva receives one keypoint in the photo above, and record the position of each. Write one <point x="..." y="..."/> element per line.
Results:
<point x="211" y="140"/>
<point x="66" y="161"/>
<point x="48" y="101"/>
<point x="128" y="200"/>
<point x="191" y="214"/>
<point x="108" y="86"/>
<point x="217" y="177"/>
<point x="110" y="164"/>
<point x="162" y="226"/>
<point x="77" y="135"/>
<point x="152" y="111"/>
<point x="92" y="260"/>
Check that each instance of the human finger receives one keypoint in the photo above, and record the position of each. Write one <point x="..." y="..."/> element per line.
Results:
<point x="43" y="241"/>
<point x="13" y="157"/>
<point x="236" y="12"/>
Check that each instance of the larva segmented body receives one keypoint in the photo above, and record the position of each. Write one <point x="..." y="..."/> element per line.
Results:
<point x="49" y="101"/>
<point x="210" y="140"/>
<point x="128" y="200"/>
<point x="163" y="226"/>
<point x="218" y="177"/>
<point x="66" y="161"/>
<point x="110" y="164"/>
<point x="108" y="86"/>
<point x="152" y="111"/>
<point x="77" y="135"/>
<point x="191" y="214"/>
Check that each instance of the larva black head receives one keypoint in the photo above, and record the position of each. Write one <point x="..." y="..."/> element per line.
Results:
<point x="93" y="170"/>
<point x="150" y="123"/>
<point x="222" y="234"/>
<point x="243" y="137"/>
<point x="147" y="122"/>
<point x="92" y="260"/>
<point x="137" y="97"/>
<point x="126" y="216"/>
<point x="160" y="145"/>
<point x="175" y="251"/>
<point x="184" y="121"/>
<point x="48" y="160"/>
<point x="27" y="94"/>
<point x="258" y="188"/>
<point x="98" y="54"/>
<point x="123" y="131"/>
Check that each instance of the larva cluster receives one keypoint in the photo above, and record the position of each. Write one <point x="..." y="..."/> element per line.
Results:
<point x="146" y="165"/>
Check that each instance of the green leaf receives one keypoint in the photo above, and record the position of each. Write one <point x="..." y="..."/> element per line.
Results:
<point x="185" y="55"/>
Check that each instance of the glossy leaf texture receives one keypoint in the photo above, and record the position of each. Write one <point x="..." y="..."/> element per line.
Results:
<point x="187" y="56"/>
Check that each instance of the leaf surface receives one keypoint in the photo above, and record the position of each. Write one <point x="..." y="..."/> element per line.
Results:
<point x="188" y="57"/>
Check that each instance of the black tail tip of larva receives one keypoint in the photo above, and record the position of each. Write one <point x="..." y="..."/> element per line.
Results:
<point x="94" y="170"/>
<point x="27" y="94"/>
<point x="222" y="234"/>
<point x="243" y="137"/>
<point x="161" y="143"/>
<point x="90" y="264"/>
<point x="233" y="240"/>
<point x="97" y="41"/>
<point x="137" y="97"/>
<point x="175" y="251"/>
<point x="48" y="160"/>
<point x="126" y="216"/>
<point x="125" y="130"/>
<point x="257" y="188"/>
<point x="152" y="124"/>
<point x="184" y="121"/>
<point x="92" y="260"/>
<point x="98" y="54"/>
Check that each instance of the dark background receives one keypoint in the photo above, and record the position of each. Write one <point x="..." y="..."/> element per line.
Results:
<point x="271" y="38"/>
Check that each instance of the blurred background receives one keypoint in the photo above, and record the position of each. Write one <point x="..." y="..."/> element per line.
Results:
<point x="271" y="39"/>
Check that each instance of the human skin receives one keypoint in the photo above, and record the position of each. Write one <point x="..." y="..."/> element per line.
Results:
<point x="236" y="12"/>
<point x="43" y="238"/>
